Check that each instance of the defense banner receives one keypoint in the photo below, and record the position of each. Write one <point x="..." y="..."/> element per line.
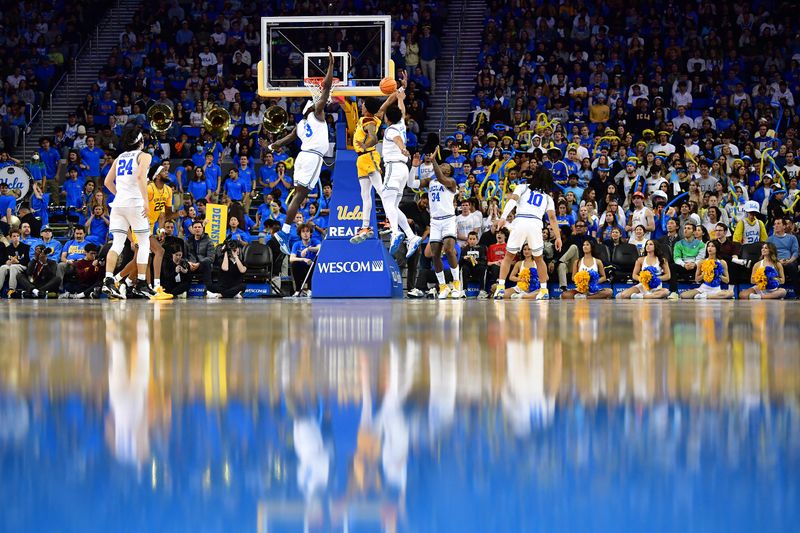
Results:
<point x="217" y="222"/>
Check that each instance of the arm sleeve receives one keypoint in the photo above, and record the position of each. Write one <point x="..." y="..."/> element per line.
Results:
<point x="414" y="177"/>
<point x="738" y="232"/>
<point x="677" y="253"/>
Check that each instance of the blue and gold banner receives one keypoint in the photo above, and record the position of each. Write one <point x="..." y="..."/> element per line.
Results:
<point x="217" y="222"/>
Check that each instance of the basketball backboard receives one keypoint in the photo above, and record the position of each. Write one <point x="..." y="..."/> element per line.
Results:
<point x="295" y="48"/>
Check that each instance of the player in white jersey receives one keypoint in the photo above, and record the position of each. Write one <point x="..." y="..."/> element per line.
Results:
<point x="312" y="130"/>
<point x="395" y="158"/>
<point x="442" y="190"/>
<point x="127" y="181"/>
<point x="532" y="202"/>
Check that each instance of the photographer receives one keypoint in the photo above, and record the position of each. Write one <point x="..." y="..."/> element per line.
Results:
<point x="231" y="277"/>
<point x="87" y="277"/>
<point x="41" y="276"/>
<point x="175" y="274"/>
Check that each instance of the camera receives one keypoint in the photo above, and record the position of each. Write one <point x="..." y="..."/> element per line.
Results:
<point x="230" y="246"/>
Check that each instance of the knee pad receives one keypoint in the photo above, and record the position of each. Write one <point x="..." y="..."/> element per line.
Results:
<point x="118" y="243"/>
<point x="143" y="255"/>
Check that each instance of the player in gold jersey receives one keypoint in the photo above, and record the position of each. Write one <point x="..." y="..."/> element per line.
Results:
<point x="368" y="164"/>
<point x="159" y="210"/>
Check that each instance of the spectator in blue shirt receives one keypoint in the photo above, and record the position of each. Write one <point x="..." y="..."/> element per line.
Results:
<point x="267" y="173"/>
<point x="91" y="156"/>
<point x="106" y="105"/>
<point x="788" y="251"/>
<point x="429" y="51"/>
<point x="304" y="251"/>
<point x="39" y="202"/>
<point x="49" y="156"/>
<point x="97" y="226"/>
<point x="283" y="182"/>
<point x="198" y="187"/>
<point x="235" y="232"/>
<point x="248" y="178"/>
<point x="234" y="188"/>
<point x="212" y="173"/>
<point x="48" y="240"/>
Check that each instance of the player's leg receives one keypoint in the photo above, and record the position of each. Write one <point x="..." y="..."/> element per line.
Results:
<point x="371" y="180"/>
<point x="438" y="269"/>
<point x="515" y="242"/>
<point x="158" y="259"/>
<point x="536" y="242"/>
<point x="306" y="175"/>
<point x="118" y="227"/>
<point x="449" y="249"/>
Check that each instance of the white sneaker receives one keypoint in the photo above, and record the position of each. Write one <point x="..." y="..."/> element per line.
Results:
<point x="516" y="296"/>
<point x="755" y="296"/>
<point x="637" y="296"/>
<point x="123" y="290"/>
<point x="213" y="295"/>
<point x="64" y="296"/>
<point x="580" y="296"/>
<point x="543" y="294"/>
<point x="238" y="297"/>
<point x="673" y="296"/>
<point x="415" y="293"/>
<point x="444" y="293"/>
<point x="701" y="296"/>
<point x="182" y="296"/>
<point x="412" y="245"/>
<point x="483" y="295"/>
<point x="457" y="294"/>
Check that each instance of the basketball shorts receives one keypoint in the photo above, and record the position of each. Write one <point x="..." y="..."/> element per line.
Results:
<point x="443" y="228"/>
<point x="124" y="218"/>
<point x="396" y="177"/>
<point x="307" y="167"/>
<point x="369" y="162"/>
<point x="526" y="230"/>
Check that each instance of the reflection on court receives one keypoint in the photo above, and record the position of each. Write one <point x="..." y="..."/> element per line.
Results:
<point x="385" y="416"/>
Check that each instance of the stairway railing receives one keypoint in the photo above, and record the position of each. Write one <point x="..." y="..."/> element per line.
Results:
<point x="456" y="53"/>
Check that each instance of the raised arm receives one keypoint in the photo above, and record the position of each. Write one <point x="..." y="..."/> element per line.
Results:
<point x="389" y="101"/>
<point x="319" y="107"/>
<point x="447" y="181"/>
<point x="283" y="141"/>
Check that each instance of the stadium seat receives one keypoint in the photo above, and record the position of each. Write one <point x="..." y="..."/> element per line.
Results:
<point x="258" y="260"/>
<point x="625" y="256"/>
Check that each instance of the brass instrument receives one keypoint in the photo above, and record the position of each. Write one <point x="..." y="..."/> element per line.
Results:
<point x="160" y="117"/>
<point x="217" y="122"/>
<point x="275" y="119"/>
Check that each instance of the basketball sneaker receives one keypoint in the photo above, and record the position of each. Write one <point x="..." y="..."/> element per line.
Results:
<point x="416" y="293"/>
<point x="499" y="293"/>
<point x="362" y="235"/>
<point x="412" y="245"/>
<point x="161" y="294"/>
<point x="283" y="241"/>
<point x="516" y="296"/>
<point x="109" y="288"/>
<point x="754" y="296"/>
<point x="543" y="294"/>
<point x="143" y="290"/>
<point x="397" y="240"/>
<point x="444" y="292"/>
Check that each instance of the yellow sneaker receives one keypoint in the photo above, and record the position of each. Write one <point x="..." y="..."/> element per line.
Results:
<point x="161" y="294"/>
<point x="444" y="291"/>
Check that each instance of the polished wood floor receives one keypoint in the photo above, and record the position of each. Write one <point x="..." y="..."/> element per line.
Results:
<point x="598" y="350"/>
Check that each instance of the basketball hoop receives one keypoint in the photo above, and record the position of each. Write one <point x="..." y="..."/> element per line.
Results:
<point x="314" y="85"/>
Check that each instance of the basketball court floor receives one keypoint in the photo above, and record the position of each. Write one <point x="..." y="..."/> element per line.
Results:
<point x="399" y="416"/>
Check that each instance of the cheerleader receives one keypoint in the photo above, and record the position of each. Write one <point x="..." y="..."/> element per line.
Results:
<point x="712" y="272"/>
<point x="766" y="283"/>
<point x="523" y="286"/>
<point x="656" y="264"/>
<point x="589" y="263"/>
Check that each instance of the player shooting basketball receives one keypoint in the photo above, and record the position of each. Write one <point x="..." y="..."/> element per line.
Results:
<point x="313" y="132"/>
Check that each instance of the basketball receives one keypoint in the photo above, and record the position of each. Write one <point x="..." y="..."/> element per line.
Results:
<point x="388" y="86"/>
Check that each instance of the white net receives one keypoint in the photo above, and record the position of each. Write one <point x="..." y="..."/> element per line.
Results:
<point x="314" y="85"/>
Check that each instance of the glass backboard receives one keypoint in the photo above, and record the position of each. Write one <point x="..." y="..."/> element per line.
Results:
<point x="294" y="48"/>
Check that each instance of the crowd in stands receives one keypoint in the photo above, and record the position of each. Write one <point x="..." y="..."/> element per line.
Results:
<point x="676" y="126"/>
<point x="672" y="122"/>
<point x="38" y="41"/>
<point x="194" y="56"/>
